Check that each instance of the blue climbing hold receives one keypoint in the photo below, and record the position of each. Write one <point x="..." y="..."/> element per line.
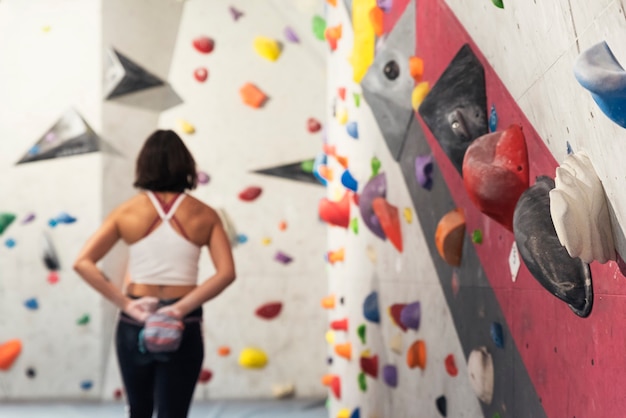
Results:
<point x="242" y="239"/>
<point x="320" y="160"/>
<point x="569" y="149"/>
<point x="348" y="181"/>
<point x="493" y="119"/>
<point x="356" y="413"/>
<point x="497" y="334"/>
<point x="86" y="384"/>
<point x="32" y="304"/>
<point x="65" y="218"/>
<point x="370" y="308"/>
<point x="353" y="130"/>
<point x="52" y="223"/>
<point x="10" y="243"/>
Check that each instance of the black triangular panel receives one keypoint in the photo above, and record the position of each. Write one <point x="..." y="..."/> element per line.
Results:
<point x="291" y="171"/>
<point x="123" y="76"/>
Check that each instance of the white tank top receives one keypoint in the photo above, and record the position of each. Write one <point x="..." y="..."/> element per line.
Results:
<point x="164" y="257"/>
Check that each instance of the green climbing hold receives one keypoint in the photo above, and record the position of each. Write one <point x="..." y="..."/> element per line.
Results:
<point x="375" y="166"/>
<point x="498" y="3"/>
<point x="83" y="320"/>
<point x="362" y="382"/>
<point x="354" y="225"/>
<point x="6" y="219"/>
<point x="319" y="27"/>
<point x="496" y="415"/>
<point x="361" y="332"/>
<point x="307" y="166"/>
<point x="357" y="99"/>
<point x="477" y="236"/>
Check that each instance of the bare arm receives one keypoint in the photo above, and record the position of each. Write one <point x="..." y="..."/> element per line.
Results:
<point x="221" y="254"/>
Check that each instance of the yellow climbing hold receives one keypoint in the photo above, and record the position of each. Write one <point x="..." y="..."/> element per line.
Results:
<point x="408" y="215"/>
<point x="46" y="28"/>
<point x="364" y="38"/>
<point x="371" y="254"/>
<point x="267" y="48"/>
<point x="252" y="358"/>
<point x="186" y="127"/>
<point x="330" y="337"/>
<point x="342" y="115"/>
<point x="419" y="93"/>
<point x="343" y="413"/>
<point x="266" y="241"/>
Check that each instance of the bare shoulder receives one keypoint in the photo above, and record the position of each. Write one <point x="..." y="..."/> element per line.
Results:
<point x="201" y="210"/>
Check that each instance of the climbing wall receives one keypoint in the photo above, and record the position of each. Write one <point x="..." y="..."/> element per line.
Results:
<point x="446" y="258"/>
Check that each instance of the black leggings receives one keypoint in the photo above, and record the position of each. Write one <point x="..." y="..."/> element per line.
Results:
<point x="165" y="379"/>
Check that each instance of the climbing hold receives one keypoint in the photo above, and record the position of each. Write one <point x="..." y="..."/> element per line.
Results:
<point x="442" y="405"/>
<point x="498" y="3"/>
<point x="411" y="315"/>
<point x="344" y="350"/>
<point x="313" y="125"/>
<point x="348" y="181"/>
<point x="451" y="365"/>
<point x="362" y="382"/>
<point x="86" y="385"/>
<point x="375" y="188"/>
<point x="252" y="358"/>
<point x="480" y="370"/>
<point x="598" y="71"/>
<point x="10" y="243"/>
<point x="330" y="337"/>
<point x="386" y="5"/>
<point x="361" y="333"/>
<point x="6" y="219"/>
<point x="336" y="213"/>
<point x="269" y="310"/>
<point x="201" y="74"/>
<point x="369" y="365"/>
<point x="28" y="219"/>
<point x="250" y="193"/>
<point x="569" y="148"/>
<point x="327" y="379"/>
<point x="419" y="93"/>
<point x="377" y="17"/>
<point x="9" y="352"/>
<point x="319" y="27"/>
<point x="242" y="238"/>
<point x="364" y="42"/>
<point x="252" y="95"/>
<point x="357" y="99"/>
<point x="307" y="166"/>
<point x="83" y="320"/>
<point x="203" y="177"/>
<point x="580" y="212"/>
<point x="389" y="220"/>
<point x="495" y="173"/>
<point x="236" y="14"/>
<point x="266" y="241"/>
<point x="390" y="375"/>
<point x="282" y="226"/>
<point x="493" y="119"/>
<point x="371" y="254"/>
<point x="356" y="413"/>
<point x="354" y="225"/>
<point x="336" y="256"/>
<point x="205" y="376"/>
<point x="50" y="258"/>
<point x="477" y="236"/>
<point x="117" y="394"/>
<point x="267" y="48"/>
<point x="186" y="127"/>
<point x="370" y="308"/>
<point x="223" y="351"/>
<point x="341" y="92"/>
<point x="343" y="413"/>
<point x="342" y="116"/>
<point x="282" y="258"/>
<point x="204" y="44"/>
<point x="416" y="68"/>
<point x="31" y="373"/>
<point x="53" y="277"/>
<point x="395" y="343"/>
<point x="424" y="171"/>
<point x="375" y="164"/>
<point x="328" y="302"/>
<point x="65" y="218"/>
<point x="325" y="172"/>
<point x="416" y="355"/>
<point x="291" y="35"/>
<point x="449" y="236"/>
<point x="343" y="161"/>
<point x="52" y="223"/>
<point x="31" y="304"/>
<point x="333" y="35"/>
<point x="395" y="311"/>
<point x="408" y="215"/>
<point x="353" y="130"/>
<point x="497" y="334"/>
<point x="283" y="390"/>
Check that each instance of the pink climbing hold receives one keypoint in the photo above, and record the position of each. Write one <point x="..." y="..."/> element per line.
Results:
<point x="204" y="44"/>
<point x="313" y="125"/>
<point x="201" y="74"/>
<point x="250" y="193"/>
<point x="336" y="213"/>
<point x="269" y="310"/>
<point x="53" y="277"/>
<point x="341" y="92"/>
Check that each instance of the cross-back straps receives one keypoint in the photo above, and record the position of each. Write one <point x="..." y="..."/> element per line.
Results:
<point x="157" y="205"/>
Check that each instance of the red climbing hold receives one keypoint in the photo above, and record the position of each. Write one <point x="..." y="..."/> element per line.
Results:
<point x="250" y="193"/>
<point x="117" y="394"/>
<point x="335" y="386"/>
<point x="53" y="277"/>
<point x="313" y="125"/>
<point x="495" y="173"/>
<point x="451" y="365"/>
<point x="369" y="365"/>
<point x="389" y="221"/>
<point x="336" y="213"/>
<point x="341" y="91"/>
<point x="269" y="310"/>
<point x="201" y="74"/>
<point x="340" y="324"/>
<point x="204" y="44"/>
<point x="395" y="311"/>
<point x="205" y="376"/>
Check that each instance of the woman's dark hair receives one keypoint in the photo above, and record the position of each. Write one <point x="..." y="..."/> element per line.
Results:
<point x="164" y="164"/>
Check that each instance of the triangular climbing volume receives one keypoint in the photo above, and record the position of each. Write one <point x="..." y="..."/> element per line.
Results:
<point x="70" y="135"/>
<point x="294" y="171"/>
<point x="122" y="76"/>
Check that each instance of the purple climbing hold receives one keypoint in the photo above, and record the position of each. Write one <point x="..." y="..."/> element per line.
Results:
<point x="424" y="171"/>
<point x="376" y="187"/>
<point x="291" y="35"/>
<point x="385" y="5"/>
<point x="28" y="219"/>
<point x="411" y="315"/>
<point x="283" y="258"/>
<point x="203" y="178"/>
<point x="236" y="14"/>
<point x="390" y="375"/>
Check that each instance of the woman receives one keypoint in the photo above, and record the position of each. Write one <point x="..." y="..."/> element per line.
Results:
<point x="165" y="230"/>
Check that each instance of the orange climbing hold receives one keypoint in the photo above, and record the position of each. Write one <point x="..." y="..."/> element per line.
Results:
<point x="335" y="256"/>
<point x="9" y="352"/>
<point x="329" y="149"/>
<point x="333" y="35"/>
<point x="377" y="18"/>
<point x="328" y="302"/>
<point x="325" y="172"/>
<point x="252" y="96"/>
<point x="340" y="324"/>
<point x="344" y="350"/>
<point x="389" y="220"/>
<point x="223" y="351"/>
<point x="416" y="68"/>
<point x="416" y="355"/>
<point x="449" y="236"/>
<point x="336" y="213"/>
<point x="341" y="92"/>
<point x="342" y="160"/>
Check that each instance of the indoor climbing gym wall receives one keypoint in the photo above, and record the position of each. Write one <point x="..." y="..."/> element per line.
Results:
<point x="475" y="220"/>
<point x="84" y="83"/>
